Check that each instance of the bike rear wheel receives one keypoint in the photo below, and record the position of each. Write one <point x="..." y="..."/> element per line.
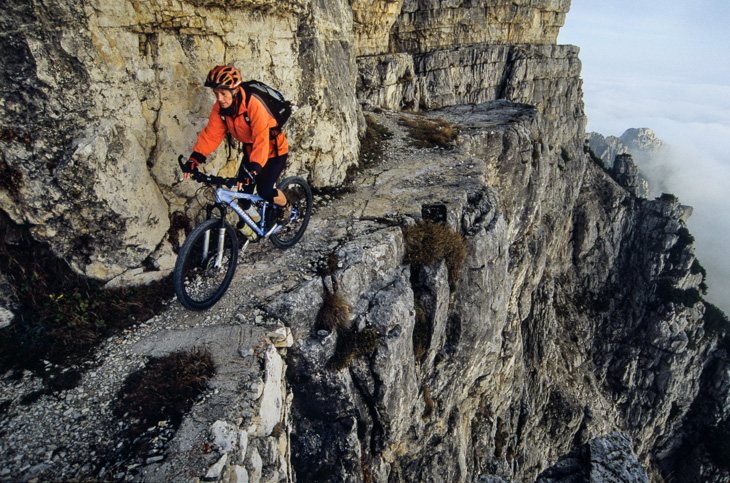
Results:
<point x="299" y="194"/>
<point x="205" y="264"/>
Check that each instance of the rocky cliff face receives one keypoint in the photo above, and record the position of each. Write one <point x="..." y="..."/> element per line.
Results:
<point x="563" y="327"/>
<point x="556" y="333"/>
<point x="642" y="139"/>
<point x="606" y="148"/>
<point x="100" y="99"/>
<point x="640" y="142"/>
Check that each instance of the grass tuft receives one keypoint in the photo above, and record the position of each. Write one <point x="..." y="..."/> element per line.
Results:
<point x="430" y="133"/>
<point x="352" y="344"/>
<point x="328" y="266"/>
<point x="428" y="400"/>
<point x="334" y="315"/>
<point x="427" y="243"/>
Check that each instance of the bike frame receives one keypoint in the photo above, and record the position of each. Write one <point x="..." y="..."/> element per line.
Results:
<point x="228" y="198"/>
<point x="224" y="198"/>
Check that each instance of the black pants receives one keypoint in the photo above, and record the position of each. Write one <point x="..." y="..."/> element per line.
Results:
<point x="266" y="179"/>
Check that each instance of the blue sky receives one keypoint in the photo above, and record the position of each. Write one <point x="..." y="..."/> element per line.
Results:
<point x="665" y="65"/>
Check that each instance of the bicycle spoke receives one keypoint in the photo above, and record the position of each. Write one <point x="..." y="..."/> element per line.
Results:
<point x="205" y="265"/>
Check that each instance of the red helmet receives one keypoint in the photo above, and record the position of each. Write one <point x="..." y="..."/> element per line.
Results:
<point x="223" y="77"/>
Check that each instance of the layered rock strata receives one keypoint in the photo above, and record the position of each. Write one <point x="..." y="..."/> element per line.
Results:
<point x="429" y="25"/>
<point x="100" y="99"/>
<point x="536" y="351"/>
<point x="562" y="327"/>
<point x="554" y="335"/>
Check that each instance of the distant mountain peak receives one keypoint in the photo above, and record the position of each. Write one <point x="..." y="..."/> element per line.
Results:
<point x="642" y="139"/>
<point x="606" y="148"/>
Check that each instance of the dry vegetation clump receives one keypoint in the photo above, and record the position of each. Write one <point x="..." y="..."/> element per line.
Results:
<point x="428" y="400"/>
<point x="427" y="243"/>
<point x="62" y="315"/>
<point x="328" y="265"/>
<point x="352" y="344"/>
<point x="334" y="315"/>
<point x="430" y="133"/>
<point x="164" y="390"/>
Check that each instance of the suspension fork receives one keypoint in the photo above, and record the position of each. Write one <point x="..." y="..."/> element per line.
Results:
<point x="221" y="234"/>
<point x="221" y="240"/>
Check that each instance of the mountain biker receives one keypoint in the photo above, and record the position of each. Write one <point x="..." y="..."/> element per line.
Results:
<point x="249" y="122"/>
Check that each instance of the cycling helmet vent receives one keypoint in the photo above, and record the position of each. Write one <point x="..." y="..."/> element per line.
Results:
<point x="223" y="77"/>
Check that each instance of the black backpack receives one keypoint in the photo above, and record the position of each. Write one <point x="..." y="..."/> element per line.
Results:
<point x="279" y="108"/>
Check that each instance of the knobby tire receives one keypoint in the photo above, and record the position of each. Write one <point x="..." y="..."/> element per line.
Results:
<point x="299" y="194"/>
<point x="198" y="282"/>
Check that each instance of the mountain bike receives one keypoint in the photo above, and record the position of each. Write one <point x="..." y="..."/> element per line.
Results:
<point x="207" y="259"/>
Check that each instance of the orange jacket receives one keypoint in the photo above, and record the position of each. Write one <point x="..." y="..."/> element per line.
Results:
<point x="257" y="138"/>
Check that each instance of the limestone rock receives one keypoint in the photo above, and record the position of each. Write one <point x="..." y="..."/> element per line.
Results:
<point x="557" y="333"/>
<point x="627" y="174"/>
<point x="100" y="99"/>
<point x="214" y="472"/>
<point x="609" y="458"/>
<point x="564" y="326"/>
<point x="272" y="398"/>
<point x="425" y="26"/>
<point x="642" y="139"/>
<point x="606" y="148"/>
<point x="224" y="436"/>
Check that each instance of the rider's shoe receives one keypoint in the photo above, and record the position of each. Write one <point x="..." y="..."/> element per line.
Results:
<point x="284" y="214"/>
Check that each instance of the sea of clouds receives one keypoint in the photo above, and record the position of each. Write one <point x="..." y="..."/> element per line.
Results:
<point x="666" y="66"/>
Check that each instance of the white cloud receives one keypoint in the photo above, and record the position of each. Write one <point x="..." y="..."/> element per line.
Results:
<point x="665" y="65"/>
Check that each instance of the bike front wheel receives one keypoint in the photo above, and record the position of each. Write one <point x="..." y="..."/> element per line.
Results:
<point x="299" y="194"/>
<point x="205" y="264"/>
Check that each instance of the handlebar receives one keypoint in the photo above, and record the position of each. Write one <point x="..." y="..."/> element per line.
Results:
<point x="207" y="178"/>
